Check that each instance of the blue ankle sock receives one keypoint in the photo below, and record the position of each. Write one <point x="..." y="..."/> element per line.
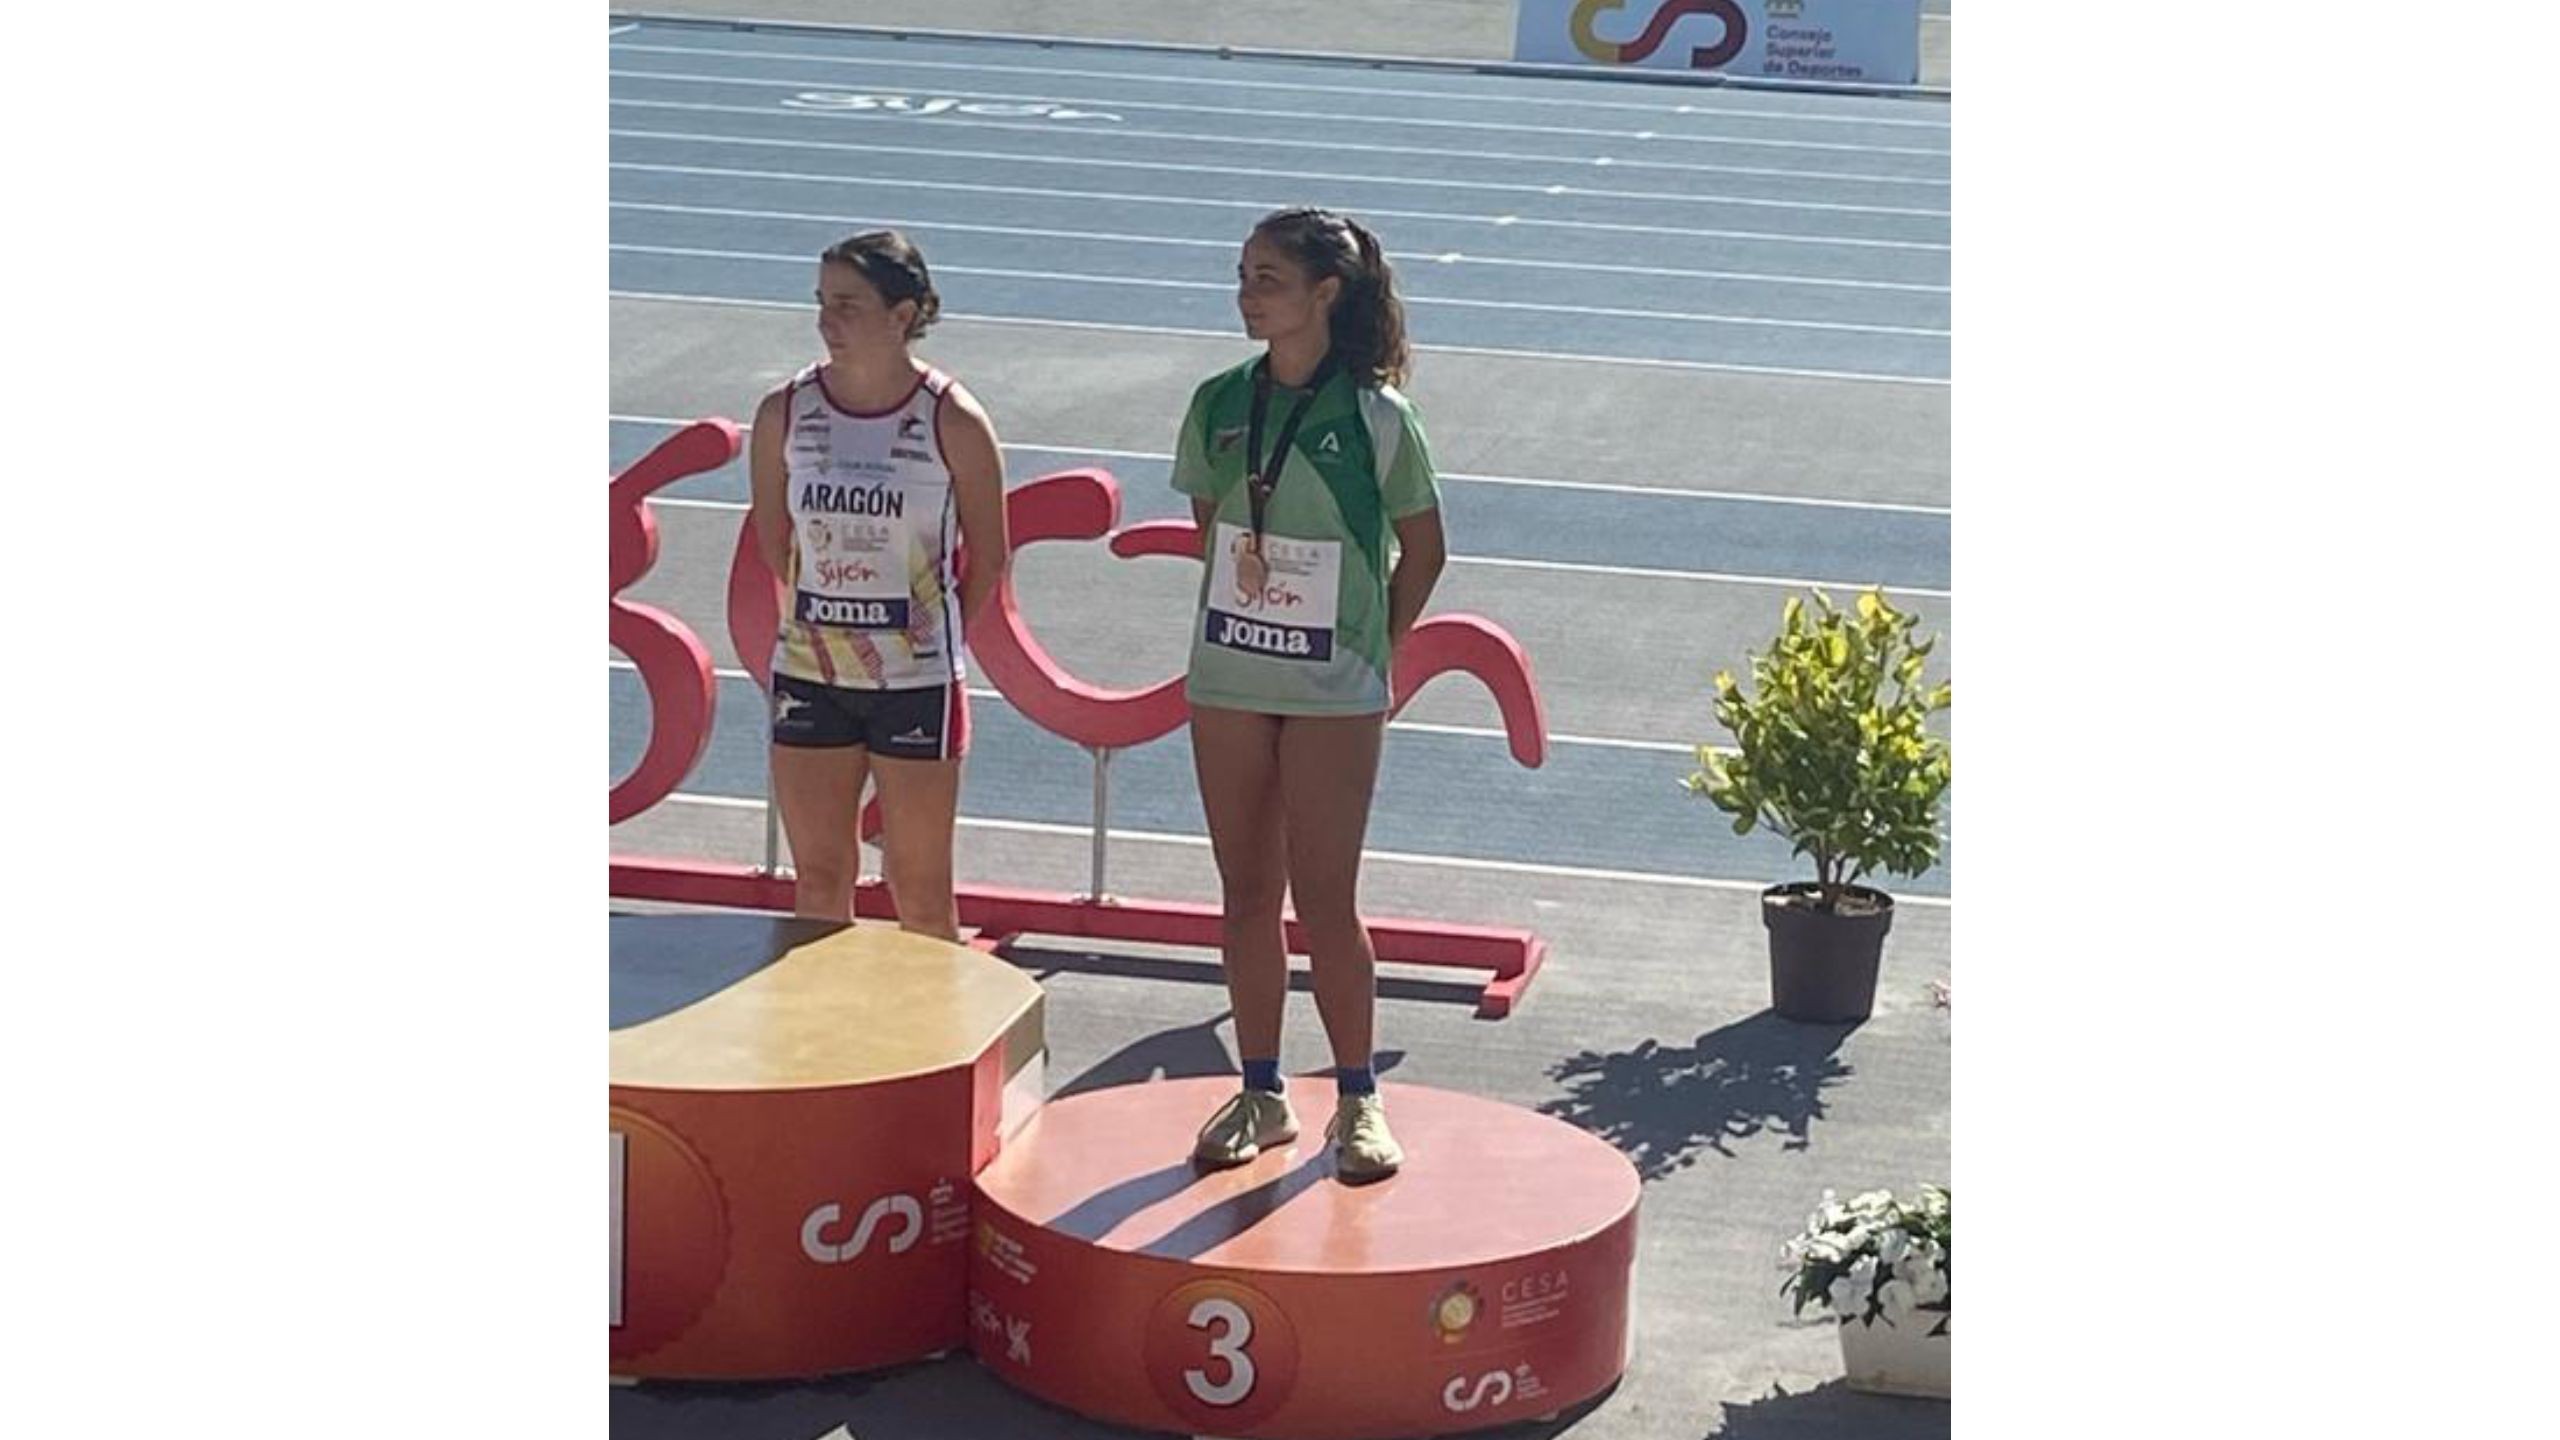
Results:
<point x="1263" y="1075"/>
<point x="1348" y="1081"/>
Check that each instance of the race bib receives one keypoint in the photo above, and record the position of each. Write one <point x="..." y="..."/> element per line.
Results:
<point x="853" y="574"/>
<point x="1292" y="616"/>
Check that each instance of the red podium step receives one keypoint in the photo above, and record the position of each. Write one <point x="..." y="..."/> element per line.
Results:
<point x="797" y="1108"/>
<point x="1487" y="1283"/>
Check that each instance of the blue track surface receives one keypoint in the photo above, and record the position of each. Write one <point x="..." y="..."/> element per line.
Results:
<point x="1800" y="235"/>
<point x="1585" y="808"/>
<point x="1769" y="231"/>
<point x="1668" y="531"/>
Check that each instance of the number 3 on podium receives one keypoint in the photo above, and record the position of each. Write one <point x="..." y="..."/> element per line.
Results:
<point x="1221" y="1353"/>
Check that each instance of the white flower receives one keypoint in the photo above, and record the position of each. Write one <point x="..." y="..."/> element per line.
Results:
<point x="1931" y="1287"/>
<point x="1898" y="1301"/>
<point x="1891" y="1246"/>
<point x="1849" y="1298"/>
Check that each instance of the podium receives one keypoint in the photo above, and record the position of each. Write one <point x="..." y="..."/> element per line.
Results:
<point x="1487" y="1282"/>
<point x="797" y="1110"/>
<point x="830" y="1152"/>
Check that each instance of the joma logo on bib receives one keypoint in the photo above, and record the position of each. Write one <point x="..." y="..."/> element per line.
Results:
<point x="1257" y="637"/>
<point x="851" y="614"/>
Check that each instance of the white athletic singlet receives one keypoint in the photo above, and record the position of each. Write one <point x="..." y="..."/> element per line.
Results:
<point x="873" y="595"/>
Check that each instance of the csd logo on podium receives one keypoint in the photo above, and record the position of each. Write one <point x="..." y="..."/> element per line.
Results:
<point x="1491" y="1388"/>
<point x="909" y="1216"/>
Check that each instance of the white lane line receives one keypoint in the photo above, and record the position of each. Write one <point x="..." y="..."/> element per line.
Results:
<point x="1369" y="120"/>
<point x="1407" y="263"/>
<point x="1084" y="833"/>
<point x="1374" y="178"/>
<point x="1547" y="190"/>
<point x="1719" y="367"/>
<point x="1420" y="727"/>
<point x="1221" y="82"/>
<point x="1560" y="567"/>
<point x="1551" y="192"/>
<point x="625" y="30"/>
<point x="1717" y="577"/>
<point x="1751" y="497"/>
<point x="954" y="120"/>
<point x="1411" y="300"/>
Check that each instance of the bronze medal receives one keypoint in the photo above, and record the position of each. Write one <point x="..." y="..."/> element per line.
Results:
<point x="1262" y="474"/>
<point x="1253" y="573"/>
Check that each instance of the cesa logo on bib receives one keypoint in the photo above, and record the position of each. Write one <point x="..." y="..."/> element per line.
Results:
<point x="1275" y="594"/>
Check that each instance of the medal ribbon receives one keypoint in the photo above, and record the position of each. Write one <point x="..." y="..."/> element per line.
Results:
<point x="1261" y="472"/>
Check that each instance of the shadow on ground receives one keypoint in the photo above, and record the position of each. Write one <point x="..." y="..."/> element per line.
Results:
<point x="1185" y="1052"/>
<point x="1662" y="1106"/>
<point x="1829" y="1411"/>
<point x="1043" y="961"/>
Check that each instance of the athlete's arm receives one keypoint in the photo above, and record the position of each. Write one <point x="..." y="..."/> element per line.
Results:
<point x="977" y="486"/>
<point x="1424" y="553"/>
<point x="770" y="513"/>
<point x="1204" y="513"/>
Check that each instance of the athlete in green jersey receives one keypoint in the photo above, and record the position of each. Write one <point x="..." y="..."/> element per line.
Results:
<point x="1311" y="480"/>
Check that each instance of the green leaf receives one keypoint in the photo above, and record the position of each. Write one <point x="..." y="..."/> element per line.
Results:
<point x="1831" y="750"/>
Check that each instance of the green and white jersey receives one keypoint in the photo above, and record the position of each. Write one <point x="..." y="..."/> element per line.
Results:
<point x="1314" y="641"/>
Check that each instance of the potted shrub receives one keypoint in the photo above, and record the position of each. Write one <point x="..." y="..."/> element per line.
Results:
<point x="1831" y="750"/>
<point x="1884" y="1267"/>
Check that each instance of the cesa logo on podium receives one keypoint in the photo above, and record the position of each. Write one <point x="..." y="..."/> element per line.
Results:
<point x="1544" y="1285"/>
<point x="904" y="1209"/>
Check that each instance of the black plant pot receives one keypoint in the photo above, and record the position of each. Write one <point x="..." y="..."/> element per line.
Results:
<point x="1822" y="967"/>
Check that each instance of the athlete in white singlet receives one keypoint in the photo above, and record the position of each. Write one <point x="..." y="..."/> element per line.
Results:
<point x="871" y="471"/>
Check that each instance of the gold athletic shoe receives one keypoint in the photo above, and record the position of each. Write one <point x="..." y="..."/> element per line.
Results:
<point x="1363" y="1150"/>
<point x="1251" y="1122"/>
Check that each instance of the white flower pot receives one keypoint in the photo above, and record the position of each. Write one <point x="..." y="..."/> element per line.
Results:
<point x="1889" y="1359"/>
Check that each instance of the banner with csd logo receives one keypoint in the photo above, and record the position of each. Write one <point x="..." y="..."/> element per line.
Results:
<point x="1839" y="41"/>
